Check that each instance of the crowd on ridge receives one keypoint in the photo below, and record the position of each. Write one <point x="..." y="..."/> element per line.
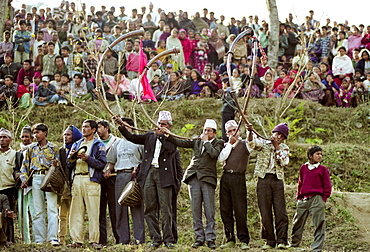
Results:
<point x="50" y="56"/>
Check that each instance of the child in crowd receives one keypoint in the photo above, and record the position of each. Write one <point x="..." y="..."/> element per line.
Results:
<point x="359" y="94"/>
<point x="343" y="97"/>
<point x="314" y="188"/>
<point x="202" y="49"/>
<point x="153" y="70"/>
<point x="157" y="85"/>
<point x="367" y="82"/>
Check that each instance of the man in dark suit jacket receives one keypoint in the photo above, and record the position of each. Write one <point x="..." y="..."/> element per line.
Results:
<point x="158" y="177"/>
<point x="201" y="176"/>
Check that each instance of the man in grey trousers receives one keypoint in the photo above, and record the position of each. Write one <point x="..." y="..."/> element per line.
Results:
<point x="201" y="176"/>
<point x="124" y="157"/>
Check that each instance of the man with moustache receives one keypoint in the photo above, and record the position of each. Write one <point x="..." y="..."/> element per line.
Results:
<point x="87" y="173"/>
<point x="158" y="177"/>
<point x="201" y="177"/>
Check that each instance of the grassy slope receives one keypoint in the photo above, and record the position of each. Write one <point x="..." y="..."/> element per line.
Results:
<point x="343" y="133"/>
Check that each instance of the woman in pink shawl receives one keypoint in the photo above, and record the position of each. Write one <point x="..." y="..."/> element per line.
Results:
<point x="186" y="45"/>
<point x="354" y="41"/>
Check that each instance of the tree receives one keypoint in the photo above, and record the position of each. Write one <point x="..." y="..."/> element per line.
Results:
<point x="273" y="39"/>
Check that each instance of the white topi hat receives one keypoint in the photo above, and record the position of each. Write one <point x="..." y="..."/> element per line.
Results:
<point x="164" y="115"/>
<point x="230" y="123"/>
<point x="210" y="124"/>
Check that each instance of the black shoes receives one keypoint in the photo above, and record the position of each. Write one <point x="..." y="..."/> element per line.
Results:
<point x="211" y="244"/>
<point x="170" y="245"/>
<point x="155" y="245"/>
<point x="197" y="244"/>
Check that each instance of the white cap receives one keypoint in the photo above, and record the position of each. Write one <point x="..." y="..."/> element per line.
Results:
<point x="45" y="78"/>
<point x="6" y="132"/>
<point x="230" y="123"/>
<point x="210" y="123"/>
<point x="164" y="115"/>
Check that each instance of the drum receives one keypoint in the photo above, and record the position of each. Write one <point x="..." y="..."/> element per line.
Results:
<point x="54" y="179"/>
<point x="131" y="195"/>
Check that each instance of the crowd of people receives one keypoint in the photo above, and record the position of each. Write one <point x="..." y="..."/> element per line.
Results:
<point x="97" y="166"/>
<point x="50" y="56"/>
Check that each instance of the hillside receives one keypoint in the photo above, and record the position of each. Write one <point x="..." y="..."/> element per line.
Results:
<point x="343" y="134"/>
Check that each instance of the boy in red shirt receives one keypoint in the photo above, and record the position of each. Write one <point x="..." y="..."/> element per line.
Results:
<point x="314" y="188"/>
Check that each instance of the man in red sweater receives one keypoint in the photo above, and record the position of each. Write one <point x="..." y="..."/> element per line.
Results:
<point x="314" y="188"/>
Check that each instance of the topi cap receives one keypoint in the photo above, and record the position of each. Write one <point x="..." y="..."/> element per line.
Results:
<point x="164" y="115"/>
<point x="6" y="132"/>
<point x="210" y="123"/>
<point x="230" y="123"/>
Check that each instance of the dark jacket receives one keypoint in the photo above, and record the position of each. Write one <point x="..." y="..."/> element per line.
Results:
<point x="167" y="169"/>
<point x="203" y="165"/>
<point x="96" y="161"/>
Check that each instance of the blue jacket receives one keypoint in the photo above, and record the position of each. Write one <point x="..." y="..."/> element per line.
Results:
<point x="22" y="38"/>
<point x="96" y="161"/>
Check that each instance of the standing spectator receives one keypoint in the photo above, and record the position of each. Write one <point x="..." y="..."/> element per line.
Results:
<point x="48" y="31"/>
<point x="110" y="64"/>
<point x="314" y="188"/>
<point x="283" y="41"/>
<point x="39" y="157"/>
<point x="221" y="28"/>
<point x="49" y="67"/>
<point x="293" y="40"/>
<point x="22" y="39"/>
<point x="354" y="41"/>
<point x="133" y="61"/>
<point x="6" y="47"/>
<point x="273" y="156"/>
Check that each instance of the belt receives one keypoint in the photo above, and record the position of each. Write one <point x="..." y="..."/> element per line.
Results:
<point x="232" y="171"/>
<point x="40" y="172"/>
<point x="82" y="173"/>
<point x="305" y="198"/>
<point x="155" y="166"/>
<point x="126" y="170"/>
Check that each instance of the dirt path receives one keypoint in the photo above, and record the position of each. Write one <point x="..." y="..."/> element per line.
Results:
<point x="360" y="205"/>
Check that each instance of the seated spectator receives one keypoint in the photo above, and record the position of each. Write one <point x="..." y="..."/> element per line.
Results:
<point x="282" y="74"/>
<point x="330" y="90"/>
<point x="214" y="82"/>
<point x="8" y="92"/>
<point x="196" y="85"/>
<point x="359" y="94"/>
<point x="342" y="64"/>
<point x="46" y="93"/>
<point x="263" y="67"/>
<point x="236" y="80"/>
<point x="364" y="63"/>
<point x="26" y="92"/>
<point x="26" y="70"/>
<point x="153" y="70"/>
<point x="80" y="90"/>
<point x="9" y="67"/>
<point x="313" y="88"/>
<point x="343" y="96"/>
<point x="268" y="82"/>
<point x="157" y="85"/>
<point x="61" y="66"/>
<point x="62" y="87"/>
<point x="175" y="90"/>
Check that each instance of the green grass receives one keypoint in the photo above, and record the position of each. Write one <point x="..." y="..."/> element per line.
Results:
<point x="343" y="134"/>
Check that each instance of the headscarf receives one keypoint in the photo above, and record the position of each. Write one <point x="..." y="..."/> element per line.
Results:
<point x="76" y="135"/>
<point x="217" y="44"/>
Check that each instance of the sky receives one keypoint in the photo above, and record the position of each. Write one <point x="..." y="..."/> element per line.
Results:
<point x="323" y="9"/>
